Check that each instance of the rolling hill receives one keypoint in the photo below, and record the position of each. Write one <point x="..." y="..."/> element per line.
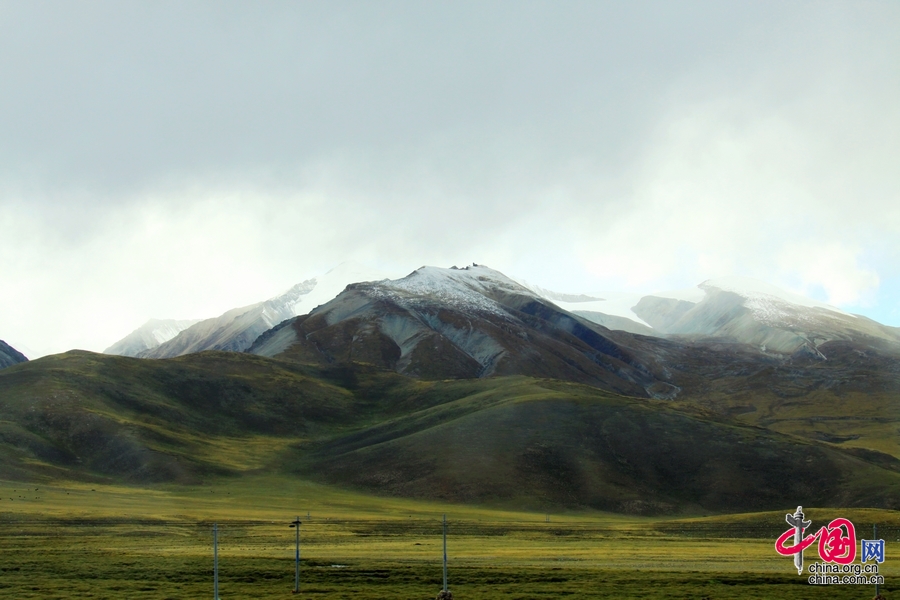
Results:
<point x="508" y="441"/>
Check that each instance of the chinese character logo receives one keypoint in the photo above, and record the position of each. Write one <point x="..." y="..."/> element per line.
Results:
<point x="837" y="540"/>
<point x="872" y="550"/>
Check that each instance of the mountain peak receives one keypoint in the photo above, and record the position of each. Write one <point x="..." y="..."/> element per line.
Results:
<point x="474" y="275"/>
<point x="470" y="288"/>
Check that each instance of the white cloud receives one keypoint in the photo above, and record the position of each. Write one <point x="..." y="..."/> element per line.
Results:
<point x="160" y="167"/>
<point x="732" y="186"/>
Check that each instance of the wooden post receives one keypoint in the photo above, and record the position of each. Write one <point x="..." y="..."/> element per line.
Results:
<point x="875" y="537"/>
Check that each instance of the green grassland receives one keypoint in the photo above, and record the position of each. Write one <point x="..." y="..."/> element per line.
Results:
<point x="80" y="540"/>
<point x="113" y="471"/>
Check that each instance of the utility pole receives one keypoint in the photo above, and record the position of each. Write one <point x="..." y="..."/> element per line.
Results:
<point x="296" y="525"/>
<point x="215" y="561"/>
<point x="445" y="551"/>
<point x="875" y="537"/>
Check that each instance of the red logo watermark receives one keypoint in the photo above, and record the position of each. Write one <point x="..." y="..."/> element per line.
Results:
<point x="837" y="542"/>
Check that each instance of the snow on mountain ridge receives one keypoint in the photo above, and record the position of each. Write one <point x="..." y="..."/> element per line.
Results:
<point x="151" y="334"/>
<point x="326" y="287"/>
<point x="558" y="296"/>
<point x="169" y="329"/>
<point x="295" y="294"/>
<point x="461" y="288"/>
<point x="237" y="328"/>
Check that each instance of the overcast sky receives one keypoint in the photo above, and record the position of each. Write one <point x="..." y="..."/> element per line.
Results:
<point x="177" y="159"/>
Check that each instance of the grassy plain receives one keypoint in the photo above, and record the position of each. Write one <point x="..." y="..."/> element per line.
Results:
<point x="108" y="542"/>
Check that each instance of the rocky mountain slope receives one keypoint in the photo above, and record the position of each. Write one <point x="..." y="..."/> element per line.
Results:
<point x="463" y="323"/>
<point x="9" y="356"/>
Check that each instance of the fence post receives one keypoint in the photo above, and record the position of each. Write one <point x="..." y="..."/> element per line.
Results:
<point x="296" y="524"/>
<point x="215" y="561"/>
<point x="445" y="551"/>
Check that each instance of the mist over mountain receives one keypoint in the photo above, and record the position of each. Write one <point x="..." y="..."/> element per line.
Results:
<point x="9" y="356"/>
<point x="148" y="336"/>
<point x="735" y="309"/>
<point x="236" y="329"/>
<point x="761" y="315"/>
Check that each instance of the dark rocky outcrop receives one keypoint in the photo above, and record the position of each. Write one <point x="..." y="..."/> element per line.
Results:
<point x="9" y="356"/>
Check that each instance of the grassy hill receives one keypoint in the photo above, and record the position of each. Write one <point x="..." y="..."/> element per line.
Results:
<point x="515" y="442"/>
<point x="851" y="400"/>
<point x="538" y="444"/>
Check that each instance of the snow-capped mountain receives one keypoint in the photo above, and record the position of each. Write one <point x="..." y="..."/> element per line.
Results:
<point x="236" y="329"/>
<point x="9" y="356"/>
<point x="730" y="308"/>
<point x="460" y="323"/>
<point x="148" y="336"/>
